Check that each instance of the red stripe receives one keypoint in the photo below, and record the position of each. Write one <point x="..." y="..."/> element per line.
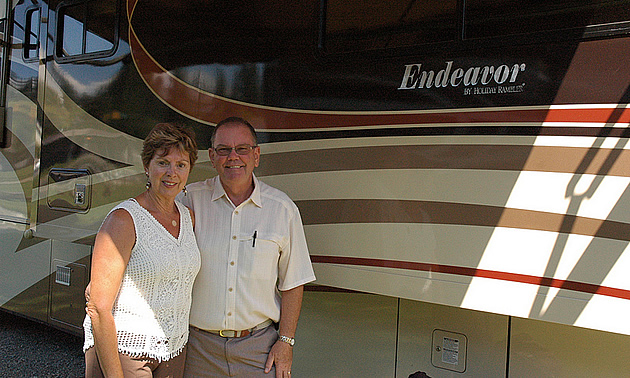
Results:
<point x="473" y="272"/>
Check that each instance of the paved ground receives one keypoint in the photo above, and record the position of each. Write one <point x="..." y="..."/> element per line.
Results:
<point x="29" y="349"/>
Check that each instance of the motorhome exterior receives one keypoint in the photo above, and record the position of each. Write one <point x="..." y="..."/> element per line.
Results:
<point x="462" y="168"/>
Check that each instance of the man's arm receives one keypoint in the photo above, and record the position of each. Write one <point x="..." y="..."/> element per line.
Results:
<point x="281" y="353"/>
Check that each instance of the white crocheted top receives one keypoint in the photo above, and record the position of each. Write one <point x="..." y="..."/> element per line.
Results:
<point x="153" y="305"/>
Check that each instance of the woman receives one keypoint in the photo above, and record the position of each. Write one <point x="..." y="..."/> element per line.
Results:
<point x="144" y="262"/>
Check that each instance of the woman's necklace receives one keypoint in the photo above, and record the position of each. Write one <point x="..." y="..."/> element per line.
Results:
<point x="173" y="221"/>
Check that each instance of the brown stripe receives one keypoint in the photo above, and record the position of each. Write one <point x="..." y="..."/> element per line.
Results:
<point x="88" y="240"/>
<point x="27" y="243"/>
<point x="335" y="211"/>
<point x="603" y="161"/>
<point x="329" y="289"/>
<point x="474" y="272"/>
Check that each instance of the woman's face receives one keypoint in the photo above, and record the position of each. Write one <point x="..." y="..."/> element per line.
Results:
<point x="168" y="173"/>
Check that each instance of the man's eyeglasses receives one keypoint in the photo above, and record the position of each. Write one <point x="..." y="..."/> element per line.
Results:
<point x="242" y="149"/>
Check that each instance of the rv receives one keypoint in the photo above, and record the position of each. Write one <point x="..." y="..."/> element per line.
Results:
<point x="462" y="168"/>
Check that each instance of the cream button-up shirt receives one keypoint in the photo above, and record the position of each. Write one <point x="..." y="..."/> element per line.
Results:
<point x="249" y="253"/>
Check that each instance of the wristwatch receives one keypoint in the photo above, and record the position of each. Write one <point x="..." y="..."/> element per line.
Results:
<point x="287" y="339"/>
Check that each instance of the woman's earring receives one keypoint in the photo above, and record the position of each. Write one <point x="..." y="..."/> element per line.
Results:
<point x="148" y="184"/>
<point x="185" y="191"/>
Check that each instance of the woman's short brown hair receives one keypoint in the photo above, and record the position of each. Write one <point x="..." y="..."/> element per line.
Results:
<point x="165" y="136"/>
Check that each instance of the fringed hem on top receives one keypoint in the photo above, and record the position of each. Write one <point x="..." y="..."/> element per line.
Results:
<point x="159" y="358"/>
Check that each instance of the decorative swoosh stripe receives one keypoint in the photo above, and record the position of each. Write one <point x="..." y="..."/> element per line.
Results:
<point x="336" y="211"/>
<point x="613" y="162"/>
<point x="210" y="108"/>
<point x="18" y="155"/>
<point x="473" y="272"/>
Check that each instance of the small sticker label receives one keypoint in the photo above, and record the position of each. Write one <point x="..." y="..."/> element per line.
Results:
<point x="450" y="351"/>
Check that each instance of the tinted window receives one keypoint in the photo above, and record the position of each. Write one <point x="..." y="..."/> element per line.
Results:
<point x="86" y="29"/>
<point x="489" y="18"/>
<point x="379" y="24"/>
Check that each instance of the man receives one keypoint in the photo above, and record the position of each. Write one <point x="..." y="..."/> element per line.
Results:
<point x="254" y="263"/>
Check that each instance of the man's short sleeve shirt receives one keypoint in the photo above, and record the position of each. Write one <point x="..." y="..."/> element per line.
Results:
<point x="248" y="254"/>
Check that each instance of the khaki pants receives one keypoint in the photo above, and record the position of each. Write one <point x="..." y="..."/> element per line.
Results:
<point x="211" y="355"/>
<point x="138" y="367"/>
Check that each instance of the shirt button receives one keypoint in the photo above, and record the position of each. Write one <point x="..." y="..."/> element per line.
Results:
<point x="229" y="314"/>
<point x="234" y="237"/>
<point x="232" y="263"/>
<point x="230" y="289"/>
<point x="236" y="212"/>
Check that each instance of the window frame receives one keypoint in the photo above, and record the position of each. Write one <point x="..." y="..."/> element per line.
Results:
<point x="58" y="53"/>
<point x="27" y="32"/>
<point x="5" y="53"/>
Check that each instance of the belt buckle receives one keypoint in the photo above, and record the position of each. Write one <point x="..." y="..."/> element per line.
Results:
<point x="221" y="334"/>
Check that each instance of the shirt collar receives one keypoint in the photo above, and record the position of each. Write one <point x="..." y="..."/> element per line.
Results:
<point x="219" y="191"/>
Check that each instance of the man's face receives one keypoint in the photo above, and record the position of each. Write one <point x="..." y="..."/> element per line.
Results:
<point x="234" y="169"/>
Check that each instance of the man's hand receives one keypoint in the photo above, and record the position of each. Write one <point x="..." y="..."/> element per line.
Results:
<point x="281" y="355"/>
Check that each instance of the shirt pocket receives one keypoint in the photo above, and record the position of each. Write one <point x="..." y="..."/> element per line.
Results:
<point x="263" y="252"/>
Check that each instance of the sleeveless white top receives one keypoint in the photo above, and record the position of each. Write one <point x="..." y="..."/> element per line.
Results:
<point x="153" y="305"/>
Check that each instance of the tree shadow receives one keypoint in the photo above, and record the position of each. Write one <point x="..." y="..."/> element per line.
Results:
<point x="601" y="255"/>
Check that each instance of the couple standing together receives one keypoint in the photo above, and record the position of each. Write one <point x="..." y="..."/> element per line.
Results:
<point x="239" y="240"/>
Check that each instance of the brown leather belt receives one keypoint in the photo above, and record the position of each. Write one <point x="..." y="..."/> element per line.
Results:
<point x="231" y="333"/>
